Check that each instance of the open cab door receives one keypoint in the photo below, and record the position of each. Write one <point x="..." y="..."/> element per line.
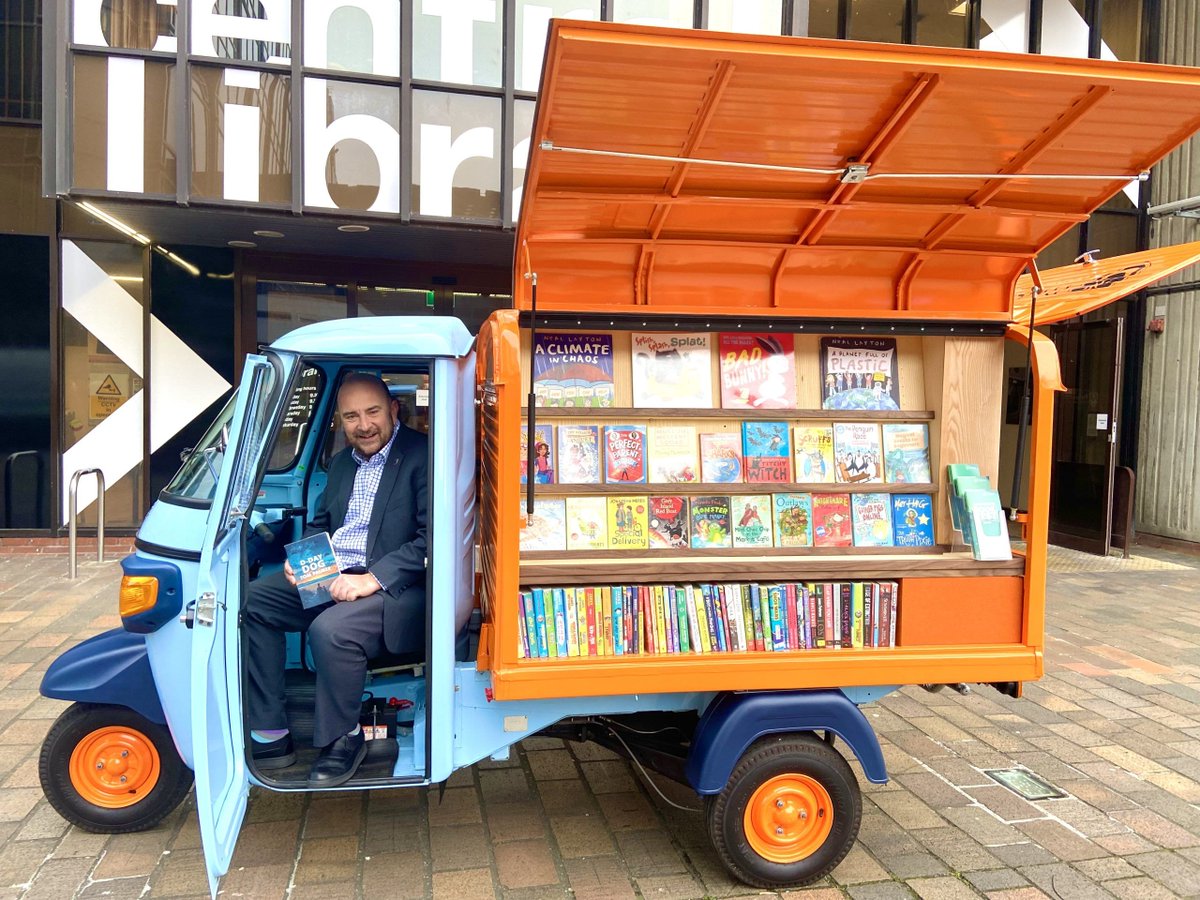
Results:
<point x="222" y="786"/>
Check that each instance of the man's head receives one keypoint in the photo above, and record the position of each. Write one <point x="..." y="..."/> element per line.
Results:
<point x="367" y="411"/>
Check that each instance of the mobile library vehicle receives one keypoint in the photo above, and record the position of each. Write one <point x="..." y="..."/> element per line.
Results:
<point x="831" y="234"/>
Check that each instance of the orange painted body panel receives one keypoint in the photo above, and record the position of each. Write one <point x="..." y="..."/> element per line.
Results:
<point x="973" y="611"/>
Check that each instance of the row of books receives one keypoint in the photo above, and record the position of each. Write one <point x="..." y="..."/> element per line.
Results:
<point x="719" y="521"/>
<point x="757" y="370"/>
<point x="626" y="620"/>
<point x="759" y="452"/>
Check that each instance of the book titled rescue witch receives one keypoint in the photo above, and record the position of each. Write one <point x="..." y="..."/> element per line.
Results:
<point x="573" y="369"/>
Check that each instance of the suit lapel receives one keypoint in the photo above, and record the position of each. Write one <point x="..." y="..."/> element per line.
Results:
<point x="387" y="481"/>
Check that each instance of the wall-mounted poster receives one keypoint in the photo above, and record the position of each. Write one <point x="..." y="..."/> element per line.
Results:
<point x="859" y="373"/>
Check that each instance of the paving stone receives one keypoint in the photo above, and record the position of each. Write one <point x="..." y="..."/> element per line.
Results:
<point x="522" y="864"/>
<point x="180" y="874"/>
<point x="859" y="867"/>
<point x="681" y="886"/>
<point x="458" y="806"/>
<point x="649" y="853"/>
<point x="399" y="875"/>
<point x="1139" y="889"/>
<point x="936" y="792"/>
<point x="266" y="843"/>
<point x="504" y="785"/>
<point x="609" y="776"/>
<point x="1170" y="870"/>
<point x="584" y="835"/>
<point x="958" y="850"/>
<point x="1106" y="868"/>
<point x="20" y="860"/>
<point x="627" y="812"/>
<point x="984" y="826"/>
<point x="988" y="880"/>
<point x="328" y="860"/>
<point x="883" y="890"/>
<point x="566" y="798"/>
<point x="547" y="765"/>
<point x="1156" y="829"/>
<point x="256" y="881"/>
<point x="944" y="888"/>
<point x="59" y="878"/>
<point x="514" y="822"/>
<point x="907" y="810"/>
<point x="467" y="884"/>
<point x="337" y="814"/>
<point x="458" y="847"/>
<point x="1061" y="881"/>
<point x="134" y="888"/>
<point x="600" y="878"/>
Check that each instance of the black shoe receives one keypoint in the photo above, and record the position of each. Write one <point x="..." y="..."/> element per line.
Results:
<point x="337" y="763"/>
<point x="276" y="754"/>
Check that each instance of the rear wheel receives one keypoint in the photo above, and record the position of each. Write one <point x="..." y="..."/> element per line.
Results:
<point x="789" y="813"/>
<point x="108" y="769"/>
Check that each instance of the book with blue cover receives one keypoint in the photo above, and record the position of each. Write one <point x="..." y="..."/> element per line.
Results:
<point x="912" y="520"/>
<point x="906" y="453"/>
<point x="314" y="565"/>
<point x="766" y="451"/>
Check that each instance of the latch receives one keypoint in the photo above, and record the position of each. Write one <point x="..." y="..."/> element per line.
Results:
<point x="855" y="173"/>
<point x="206" y="608"/>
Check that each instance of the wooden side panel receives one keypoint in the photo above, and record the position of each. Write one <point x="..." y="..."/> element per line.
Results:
<point x="933" y="612"/>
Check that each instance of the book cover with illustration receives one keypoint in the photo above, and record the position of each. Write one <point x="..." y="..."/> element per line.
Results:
<point x="813" y="446"/>
<point x="758" y="371"/>
<point x="831" y="521"/>
<point x="793" y="515"/>
<point x="912" y="520"/>
<point x="546" y="529"/>
<point x="672" y="457"/>
<point x="872" y="515"/>
<point x="628" y="523"/>
<point x="578" y="454"/>
<point x="906" y="453"/>
<point x="858" y="457"/>
<point x="989" y="530"/>
<point x="587" y="523"/>
<point x="314" y="565"/>
<point x="543" y="454"/>
<point x="572" y="369"/>
<point x="710" y="522"/>
<point x="750" y="516"/>
<point x="668" y="521"/>
<point x="672" y="370"/>
<point x="720" y="457"/>
<point x="624" y="454"/>
<point x="859" y="373"/>
<point x="766" y="452"/>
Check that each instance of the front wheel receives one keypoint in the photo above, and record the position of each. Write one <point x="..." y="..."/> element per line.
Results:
<point x="109" y="770"/>
<point x="789" y="813"/>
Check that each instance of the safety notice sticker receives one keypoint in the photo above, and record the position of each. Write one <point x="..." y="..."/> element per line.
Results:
<point x="107" y="392"/>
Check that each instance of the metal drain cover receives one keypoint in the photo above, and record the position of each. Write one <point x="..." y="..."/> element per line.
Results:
<point x="1025" y="783"/>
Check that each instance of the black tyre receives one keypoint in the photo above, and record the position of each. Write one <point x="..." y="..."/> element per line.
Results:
<point x="789" y="814"/>
<point x="109" y="770"/>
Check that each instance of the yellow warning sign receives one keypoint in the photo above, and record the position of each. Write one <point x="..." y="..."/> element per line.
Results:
<point x="107" y="392"/>
<point x="108" y="387"/>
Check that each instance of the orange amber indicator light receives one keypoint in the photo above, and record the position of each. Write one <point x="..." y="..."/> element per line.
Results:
<point x="138" y="594"/>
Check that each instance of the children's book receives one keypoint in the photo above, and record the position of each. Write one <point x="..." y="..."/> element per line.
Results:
<point x="766" y="452"/>
<point x="989" y="531"/>
<point x="813" y="445"/>
<point x="587" y="523"/>
<point x="314" y="565"/>
<point x="856" y="451"/>
<point x="627" y="523"/>
<point x="710" y="522"/>
<point x="859" y="373"/>
<point x="720" y="457"/>
<point x="906" y="453"/>
<point x="672" y="455"/>
<point x="625" y="454"/>
<point x="672" y="370"/>
<point x="872" y="515"/>
<point x="546" y="529"/>
<point x="668" y="522"/>
<point x="831" y="520"/>
<point x="758" y="371"/>
<point x="793" y="514"/>
<point x="750" y="516"/>
<point x="912" y="520"/>
<point x="578" y="454"/>
<point x="543" y="454"/>
<point x="572" y="369"/>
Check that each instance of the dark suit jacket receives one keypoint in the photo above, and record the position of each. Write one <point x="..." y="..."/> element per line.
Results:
<point x="396" y="536"/>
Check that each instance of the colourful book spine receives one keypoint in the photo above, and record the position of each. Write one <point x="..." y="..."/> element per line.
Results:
<point x="846" y="615"/>
<point x="858" y="599"/>
<point x="733" y="609"/>
<point x="539" y="614"/>
<point x="775" y="613"/>
<point x="530" y="623"/>
<point x="710" y="615"/>
<point x="756" y="614"/>
<point x="604" y="622"/>
<point x="548" y="612"/>
<point x="560" y="621"/>
<point x="661" y="640"/>
<point x="802" y="601"/>
<point x="830" y="621"/>
<point x="689" y="602"/>
<point x="668" y="610"/>
<point x="681" y="617"/>
<point x="618" y="620"/>
<point x="593" y="642"/>
<point x="719" y="619"/>
<point x="705" y="644"/>
<point x="571" y="621"/>
<point x="794" y="640"/>
<point x="647" y="619"/>
<point x="581" y="620"/>
<point x="522" y="628"/>
<point x="747" y="617"/>
<point x="869" y="612"/>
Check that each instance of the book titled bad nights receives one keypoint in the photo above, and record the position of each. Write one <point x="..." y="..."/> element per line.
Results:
<point x="573" y="369"/>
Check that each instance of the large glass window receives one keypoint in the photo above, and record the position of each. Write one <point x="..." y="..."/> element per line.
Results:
<point x="234" y="29"/>
<point x="284" y="306"/>
<point x="815" y="18"/>
<point x="942" y="23"/>
<point x="1064" y="28"/>
<point x="1121" y="29"/>
<point x="351" y="145"/>
<point x="1004" y="25"/>
<point x="746" y="16"/>
<point x="393" y="301"/>
<point x="533" y="18"/>
<point x="522" y="129"/>
<point x="456" y="163"/>
<point x="353" y="36"/>
<point x="674" y="13"/>
<point x="877" y="20"/>
<point x="21" y="51"/>
<point x="457" y="42"/>
<point x="127" y="24"/>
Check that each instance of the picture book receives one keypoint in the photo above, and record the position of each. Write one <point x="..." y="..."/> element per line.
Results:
<point x="906" y="453"/>
<point x="672" y="370"/>
<point x="543" y="454"/>
<point x="587" y="523"/>
<point x="989" y="531"/>
<point x="831" y="520"/>
<point x="627" y="523"/>
<point x="793" y="515"/>
<point x="872" y="517"/>
<point x="624" y="454"/>
<point x="813" y="446"/>
<point x="758" y="371"/>
<point x="572" y="369"/>
<point x="710" y="522"/>
<point x="859" y="373"/>
<point x="766" y="452"/>
<point x="912" y="520"/>
<point x="720" y="457"/>
<point x="314" y="564"/>
<point x="578" y="454"/>
<point x="668" y="522"/>
<point x="856" y="451"/>
<point x="546" y="529"/>
<point x="750" y="515"/>
<point x="672" y="455"/>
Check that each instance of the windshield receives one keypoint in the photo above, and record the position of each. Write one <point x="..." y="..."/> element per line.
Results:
<point x="196" y="479"/>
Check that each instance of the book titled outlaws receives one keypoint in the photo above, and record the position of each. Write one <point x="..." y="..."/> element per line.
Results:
<point x="315" y="565"/>
<point x="672" y="370"/>
<point x="624" y="454"/>
<point x="758" y="371"/>
<point x="572" y="369"/>
<point x="859" y="373"/>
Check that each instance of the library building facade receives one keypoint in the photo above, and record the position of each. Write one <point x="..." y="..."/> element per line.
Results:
<point x="183" y="182"/>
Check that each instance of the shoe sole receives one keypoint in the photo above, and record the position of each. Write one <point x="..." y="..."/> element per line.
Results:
<point x="342" y="779"/>
<point x="275" y="762"/>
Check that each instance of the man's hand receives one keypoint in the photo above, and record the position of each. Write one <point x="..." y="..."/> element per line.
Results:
<point x="289" y="574"/>
<point x="350" y="587"/>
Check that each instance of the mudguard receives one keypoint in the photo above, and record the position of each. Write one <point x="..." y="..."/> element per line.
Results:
<point x="733" y="721"/>
<point x="112" y="668"/>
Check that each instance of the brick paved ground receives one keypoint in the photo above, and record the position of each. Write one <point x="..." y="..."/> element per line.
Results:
<point x="1115" y="724"/>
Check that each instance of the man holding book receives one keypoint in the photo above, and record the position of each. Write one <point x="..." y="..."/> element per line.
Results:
<point x="374" y="507"/>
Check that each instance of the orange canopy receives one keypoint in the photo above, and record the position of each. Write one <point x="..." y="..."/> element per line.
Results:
<point x="781" y="176"/>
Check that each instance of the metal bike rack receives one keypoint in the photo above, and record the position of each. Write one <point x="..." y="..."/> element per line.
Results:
<point x="73" y="503"/>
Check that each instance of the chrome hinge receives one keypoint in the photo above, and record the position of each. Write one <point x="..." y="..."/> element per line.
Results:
<point x="206" y="608"/>
<point x="855" y="173"/>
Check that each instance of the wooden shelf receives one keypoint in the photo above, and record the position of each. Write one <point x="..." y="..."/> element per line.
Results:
<point x="635" y="413"/>
<point x="628" y="488"/>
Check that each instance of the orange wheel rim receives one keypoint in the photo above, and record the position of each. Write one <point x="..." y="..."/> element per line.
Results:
<point x="114" y="767"/>
<point x="788" y="818"/>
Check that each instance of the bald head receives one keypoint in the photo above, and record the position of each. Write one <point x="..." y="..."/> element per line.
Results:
<point x="367" y="412"/>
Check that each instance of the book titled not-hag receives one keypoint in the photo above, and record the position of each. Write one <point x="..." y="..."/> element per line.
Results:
<point x="314" y="565"/>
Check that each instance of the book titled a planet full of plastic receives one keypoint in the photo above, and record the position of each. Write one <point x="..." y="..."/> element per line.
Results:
<point x="315" y="565"/>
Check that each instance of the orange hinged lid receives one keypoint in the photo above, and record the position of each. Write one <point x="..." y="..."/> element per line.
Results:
<point x="840" y="179"/>
<point x="1090" y="284"/>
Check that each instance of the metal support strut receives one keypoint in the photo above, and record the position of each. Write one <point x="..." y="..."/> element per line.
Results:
<point x="72" y="515"/>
